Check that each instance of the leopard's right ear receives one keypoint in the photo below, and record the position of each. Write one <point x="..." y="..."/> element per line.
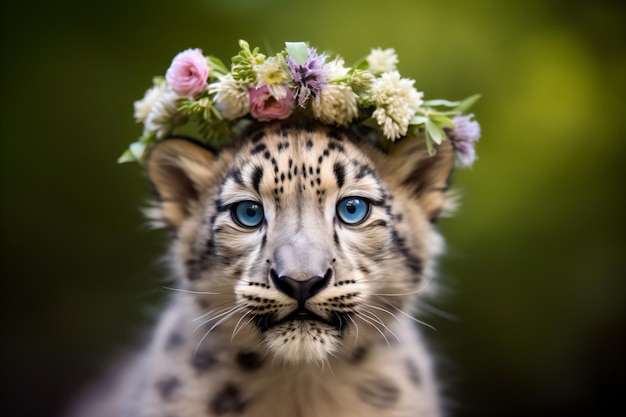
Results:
<point x="179" y="170"/>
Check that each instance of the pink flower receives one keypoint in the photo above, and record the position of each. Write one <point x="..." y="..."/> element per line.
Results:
<point x="265" y="107"/>
<point x="188" y="73"/>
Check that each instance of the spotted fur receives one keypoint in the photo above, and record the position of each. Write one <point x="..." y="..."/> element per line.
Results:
<point x="302" y="315"/>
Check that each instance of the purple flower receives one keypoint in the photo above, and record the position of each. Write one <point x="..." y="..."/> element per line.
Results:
<point x="188" y="73"/>
<point x="265" y="107"/>
<point x="463" y="136"/>
<point x="309" y="79"/>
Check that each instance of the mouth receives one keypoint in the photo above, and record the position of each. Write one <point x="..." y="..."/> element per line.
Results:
<point x="268" y="321"/>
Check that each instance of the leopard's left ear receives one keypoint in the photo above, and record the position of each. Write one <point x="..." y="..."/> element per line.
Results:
<point x="427" y="177"/>
<point x="180" y="170"/>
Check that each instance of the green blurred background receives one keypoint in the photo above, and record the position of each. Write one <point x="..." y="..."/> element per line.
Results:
<point x="535" y="271"/>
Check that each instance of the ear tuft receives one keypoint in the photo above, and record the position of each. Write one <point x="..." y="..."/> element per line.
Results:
<point x="427" y="177"/>
<point x="180" y="171"/>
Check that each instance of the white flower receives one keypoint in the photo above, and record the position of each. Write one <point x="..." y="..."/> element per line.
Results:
<point x="396" y="102"/>
<point x="381" y="61"/>
<point x="274" y="74"/>
<point x="337" y="69"/>
<point x="232" y="99"/>
<point x="162" y="116"/>
<point x="144" y="106"/>
<point x="336" y="104"/>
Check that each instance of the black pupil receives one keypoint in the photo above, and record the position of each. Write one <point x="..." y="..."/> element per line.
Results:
<point x="351" y="207"/>
<point x="251" y="211"/>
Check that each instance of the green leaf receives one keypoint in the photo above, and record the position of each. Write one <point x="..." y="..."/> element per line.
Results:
<point x="442" y="120"/>
<point x="434" y="131"/>
<point x="299" y="51"/>
<point x="418" y="120"/>
<point x="361" y="65"/>
<point x="127" y="156"/>
<point x="217" y="65"/>
<point x="137" y="149"/>
<point x="467" y="103"/>
<point x="445" y="103"/>
<point x="429" y="145"/>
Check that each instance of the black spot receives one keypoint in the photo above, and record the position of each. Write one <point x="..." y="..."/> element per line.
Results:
<point x="258" y="148"/>
<point x="340" y="174"/>
<point x="220" y="207"/>
<point x="174" y="340"/>
<point x="413" y="372"/>
<point x="166" y="387"/>
<point x="204" y="360"/>
<point x="381" y="393"/>
<point x="412" y="261"/>
<point x="267" y="154"/>
<point x="335" y="146"/>
<point x="257" y="136"/>
<point x="364" y="269"/>
<point x="358" y="355"/>
<point x="363" y="171"/>
<point x="333" y="133"/>
<point x="228" y="400"/>
<point x="249" y="361"/>
<point x="235" y="174"/>
<point x="309" y="143"/>
<point x="257" y="175"/>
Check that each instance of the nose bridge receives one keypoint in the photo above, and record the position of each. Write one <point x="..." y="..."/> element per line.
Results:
<point x="303" y="252"/>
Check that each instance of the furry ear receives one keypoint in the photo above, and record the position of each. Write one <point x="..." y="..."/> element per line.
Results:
<point x="180" y="170"/>
<point x="427" y="177"/>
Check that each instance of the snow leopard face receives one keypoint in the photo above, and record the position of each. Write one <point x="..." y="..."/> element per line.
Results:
<point x="302" y="238"/>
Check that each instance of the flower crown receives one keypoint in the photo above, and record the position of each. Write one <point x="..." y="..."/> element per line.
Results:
<point x="199" y="93"/>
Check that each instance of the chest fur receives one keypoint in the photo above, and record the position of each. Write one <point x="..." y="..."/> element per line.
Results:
<point x="221" y="378"/>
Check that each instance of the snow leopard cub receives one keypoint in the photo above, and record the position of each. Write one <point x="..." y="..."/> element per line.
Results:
<point x="299" y="250"/>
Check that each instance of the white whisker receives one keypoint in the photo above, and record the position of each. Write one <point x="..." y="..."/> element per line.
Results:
<point x="237" y="328"/>
<point x="437" y="312"/>
<point x="214" y="310"/>
<point x="356" y="327"/>
<point x="192" y="292"/>
<point x="225" y="316"/>
<point x="374" y="326"/>
<point x="384" y="310"/>
<point x="374" y="317"/>
<point x="408" y="315"/>
<point x="222" y="320"/>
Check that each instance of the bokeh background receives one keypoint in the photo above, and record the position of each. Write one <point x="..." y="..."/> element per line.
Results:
<point x="534" y="300"/>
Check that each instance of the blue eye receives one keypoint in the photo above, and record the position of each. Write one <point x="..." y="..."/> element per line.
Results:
<point x="248" y="213"/>
<point x="353" y="210"/>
